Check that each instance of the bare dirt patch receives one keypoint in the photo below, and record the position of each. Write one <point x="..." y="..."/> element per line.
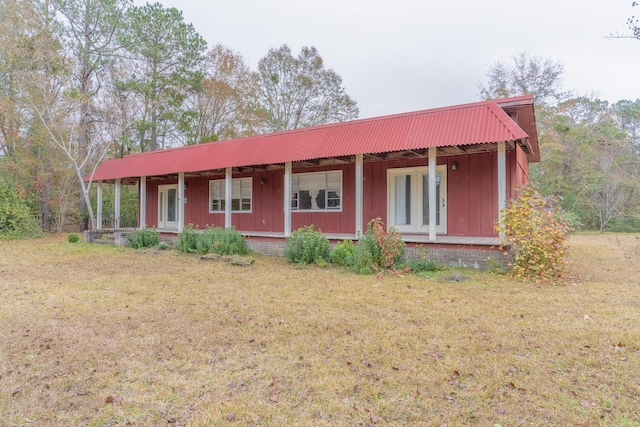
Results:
<point x="105" y="336"/>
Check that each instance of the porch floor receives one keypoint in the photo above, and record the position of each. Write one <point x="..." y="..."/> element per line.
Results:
<point x="409" y="238"/>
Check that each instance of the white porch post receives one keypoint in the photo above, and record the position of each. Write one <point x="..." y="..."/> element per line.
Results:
<point x="287" y="199"/>
<point x="180" y="201"/>
<point x="502" y="180"/>
<point x="143" y="202"/>
<point x="359" y="193"/>
<point x="433" y="202"/>
<point x="99" y="207"/>
<point x="228" y="188"/>
<point x="116" y="204"/>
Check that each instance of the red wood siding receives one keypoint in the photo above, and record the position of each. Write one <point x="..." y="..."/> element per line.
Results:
<point x="471" y="196"/>
<point x="472" y="193"/>
<point x="266" y="211"/>
<point x="522" y="167"/>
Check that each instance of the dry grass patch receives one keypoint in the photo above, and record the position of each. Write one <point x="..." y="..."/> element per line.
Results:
<point x="103" y="336"/>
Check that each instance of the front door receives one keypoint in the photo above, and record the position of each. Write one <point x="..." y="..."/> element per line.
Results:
<point x="408" y="199"/>
<point x="168" y="206"/>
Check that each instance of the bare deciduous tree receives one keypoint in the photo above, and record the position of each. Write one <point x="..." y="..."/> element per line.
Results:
<point x="295" y="92"/>
<point x="526" y="74"/>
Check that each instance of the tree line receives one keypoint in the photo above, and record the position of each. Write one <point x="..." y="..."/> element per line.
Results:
<point x="85" y="80"/>
<point x="590" y="148"/>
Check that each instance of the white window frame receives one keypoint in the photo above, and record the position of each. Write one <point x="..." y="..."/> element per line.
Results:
<point x="237" y="186"/>
<point x="295" y="191"/>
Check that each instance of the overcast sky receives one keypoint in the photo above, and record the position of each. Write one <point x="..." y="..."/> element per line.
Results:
<point x="404" y="55"/>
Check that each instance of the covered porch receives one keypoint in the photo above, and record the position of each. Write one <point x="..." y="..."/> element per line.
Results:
<point x="172" y="204"/>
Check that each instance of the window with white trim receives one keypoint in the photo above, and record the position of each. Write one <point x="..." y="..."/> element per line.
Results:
<point x="316" y="191"/>
<point x="241" y="195"/>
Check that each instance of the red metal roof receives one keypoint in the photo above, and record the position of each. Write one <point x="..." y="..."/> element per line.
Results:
<point x="476" y="123"/>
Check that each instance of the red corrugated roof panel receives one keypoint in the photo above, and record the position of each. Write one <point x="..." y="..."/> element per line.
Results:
<point x="477" y="123"/>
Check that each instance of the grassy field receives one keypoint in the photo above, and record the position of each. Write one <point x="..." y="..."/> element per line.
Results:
<point x="105" y="336"/>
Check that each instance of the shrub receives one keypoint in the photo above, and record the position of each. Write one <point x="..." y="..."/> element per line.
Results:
<point x="187" y="240"/>
<point x="306" y="246"/>
<point x="361" y="259"/>
<point x="222" y="241"/>
<point x="73" y="238"/>
<point x="16" y="219"/>
<point x="218" y="240"/>
<point x="537" y="229"/>
<point x="377" y="249"/>
<point x="143" y="238"/>
<point x="390" y="243"/>
<point x="340" y="252"/>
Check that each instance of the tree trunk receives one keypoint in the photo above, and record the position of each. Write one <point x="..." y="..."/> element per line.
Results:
<point x="154" y="131"/>
<point x="46" y="196"/>
<point x="82" y="147"/>
<point x="83" y="135"/>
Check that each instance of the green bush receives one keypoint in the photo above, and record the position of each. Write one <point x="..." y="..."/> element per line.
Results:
<point x="340" y="252"/>
<point x="536" y="229"/>
<point x="361" y="260"/>
<point x="143" y="238"/>
<point x="377" y="249"/>
<point x="73" y="238"/>
<point x="218" y="240"/>
<point x="188" y="240"/>
<point x="16" y="219"/>
<point x="222" y="241"/>
<point x="306" y="246"/>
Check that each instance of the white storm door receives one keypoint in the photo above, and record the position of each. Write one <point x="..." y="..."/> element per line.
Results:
<point x="402" y="201"/>
<point x="168" y="206"/>
<point x="441" y="201"/>
<point x="408" y="199"/>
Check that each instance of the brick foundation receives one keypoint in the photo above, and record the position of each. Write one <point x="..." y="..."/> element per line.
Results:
<point x="478" y="257"/>
<point x="273" y="247"/>
<point x="470" y="257"/>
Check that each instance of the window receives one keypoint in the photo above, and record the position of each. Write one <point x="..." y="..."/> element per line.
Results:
<point x="316" y="191"/>
<point x="241" y="190"/>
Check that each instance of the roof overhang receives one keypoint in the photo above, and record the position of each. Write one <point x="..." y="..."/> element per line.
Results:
<point x="487" y="122"/>
<point x="522" y="111"/>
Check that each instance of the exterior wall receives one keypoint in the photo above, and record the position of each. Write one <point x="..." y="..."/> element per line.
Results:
<point x="471" y="196"/>
<point x="266" y="211"/>
<point x="522" y="168"/>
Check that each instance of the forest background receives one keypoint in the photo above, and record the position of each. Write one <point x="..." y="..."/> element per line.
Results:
<point x="86" y="80"/>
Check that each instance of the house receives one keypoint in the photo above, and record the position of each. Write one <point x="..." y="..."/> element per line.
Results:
<point x="439" y="176"/>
